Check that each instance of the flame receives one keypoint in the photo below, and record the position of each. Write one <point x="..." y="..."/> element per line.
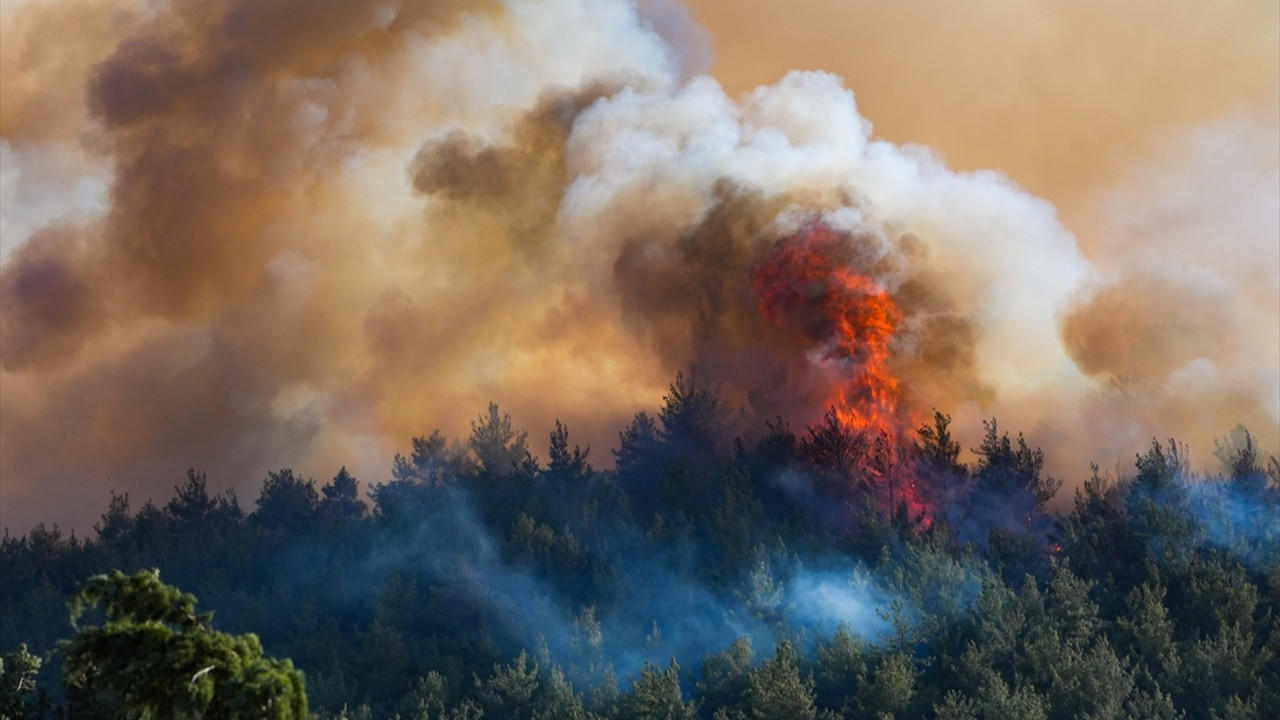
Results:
<point x="804" y="287"/>
<point x="848" y="320"/>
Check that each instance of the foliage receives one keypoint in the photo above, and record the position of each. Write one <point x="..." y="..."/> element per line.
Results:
<point x="780" y="567"/>
<point x="19" y="696"/>
<point x="162" y="660"/>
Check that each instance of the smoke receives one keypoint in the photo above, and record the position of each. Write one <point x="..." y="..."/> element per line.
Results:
<point x="1060" y="96"/>
<point x="302" y="233"/>
<point x="658" y="604"/>
<point x="1181" y="323"/>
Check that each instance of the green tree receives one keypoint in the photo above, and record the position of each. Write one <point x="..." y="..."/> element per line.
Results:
<point x="434" y="461"/>
<point x="940" y="476"/>
<point x="557" y="700"/>
<point x="777" y="691"/>
<point x="117" y="522"/>
<point x="937" y="448"/>
<point x="723" y="680"/>
<point x="691" y="417"/>
<point x="194" y="512"/>
<point x="341" y="499"/>
<point x="20" y="699"/>
<point x="1006" y="504"/>
<point x="1012" y="474"/>
<point x="1096" y="541"/>
<point x="657" y="696"/>
<point x="638" y="462"/>
<point x="891" y="688"/>
<point x="417" y="482"/>
<point x="842" y="661"/>
<point x="1147" y="634"/>
<point x="1238" y="455"/>
<point x="498" y="448"/>
<point x="1158" y="504"/>
<point x="509" y="692"/>
<point x="428" y="700"/>
<point x="562" y="461"/>
<point x="162" y="660"/>
<point x="286" y="501"/>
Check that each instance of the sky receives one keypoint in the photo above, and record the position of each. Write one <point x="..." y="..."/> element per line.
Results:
<point x="239" y="236"/>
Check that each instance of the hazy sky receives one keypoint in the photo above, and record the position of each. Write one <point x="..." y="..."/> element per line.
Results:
<point x="238" y="235"/>
<point x="1060" y="96"/>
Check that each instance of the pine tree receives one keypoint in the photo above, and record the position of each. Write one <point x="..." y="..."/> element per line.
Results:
<point x="777" y="691"/>
<point x="341" y="499"/>
<point x="163" y="660"/>
<point x="657" y="696"/>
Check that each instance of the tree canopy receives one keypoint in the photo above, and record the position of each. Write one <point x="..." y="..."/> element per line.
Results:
<point x="818" y="573"/>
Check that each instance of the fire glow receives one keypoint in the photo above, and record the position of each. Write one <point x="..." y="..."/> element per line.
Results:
<point x="804" y="287"/>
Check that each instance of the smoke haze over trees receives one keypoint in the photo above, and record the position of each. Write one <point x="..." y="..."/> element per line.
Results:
<point x="789" y="574"/>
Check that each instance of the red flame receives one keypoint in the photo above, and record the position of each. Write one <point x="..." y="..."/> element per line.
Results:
<point x="804" y="287"/>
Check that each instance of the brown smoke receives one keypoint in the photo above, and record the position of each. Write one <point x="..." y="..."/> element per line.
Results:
<point x="1144" y="327"/>
<point x="174" y="329"/>
<point x="1183" y="326"/>
<point x="300" y="233"/>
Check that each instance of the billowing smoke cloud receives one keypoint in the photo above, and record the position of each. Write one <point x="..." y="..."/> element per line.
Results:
<point x="1182" y="323"/>
<point x="301" y="233"/>
<point x="1057" y="95"/>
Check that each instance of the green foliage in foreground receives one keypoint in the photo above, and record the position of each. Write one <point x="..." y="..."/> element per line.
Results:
<point x="159" y="659"/>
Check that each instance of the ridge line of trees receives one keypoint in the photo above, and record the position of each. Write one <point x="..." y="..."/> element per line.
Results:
<point x="819" y="574"/>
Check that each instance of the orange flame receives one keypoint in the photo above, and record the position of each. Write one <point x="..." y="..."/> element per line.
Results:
<point x="804" y="287"/>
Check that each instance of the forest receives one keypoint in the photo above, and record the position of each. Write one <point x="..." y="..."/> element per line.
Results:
<point x="790" y="574"/>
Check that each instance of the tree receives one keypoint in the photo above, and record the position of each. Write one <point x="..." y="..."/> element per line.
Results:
<point x="117" y="522"/>
<point x="1147" y="633"/>
<point x="936" y="447"/>
<point x="834" y="448"/>
<point x="565" y="463"/>
<point x="1238" y="455"/>
<point x="557" y="699"/>
<point x="498" y="448"/>
<point x="657" y="696"/>
<point x="1096" y="541"/>
<point x="1158" y="505"/>
<point x="193" y="511"/>
<point x="1009" y="495"/>
<point x="842" y="660"/>
<point x="1013" y="472"/>
<point x="941" y="477"/>
<point x="638" y="462"/>
<point x="20" y="699"/>
<point x="286" y="501"/>
<point x="637" y="447"/>
<point x="341" y="501"/>
<point x="776" y="691"/>
<point x="509" y="692"/>
<point x="434" y="462"/>
<point x="691" y="417"/>
<point x="417" y="482"/>
<point x="890" y="689"/>
<point x="723" y="679"/>
<point x="162" y="660"/>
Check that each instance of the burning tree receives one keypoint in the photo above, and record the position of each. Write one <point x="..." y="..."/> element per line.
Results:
<point x="806" y="287"/>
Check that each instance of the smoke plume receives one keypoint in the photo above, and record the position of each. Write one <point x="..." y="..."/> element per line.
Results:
<point x="301" y="233"/>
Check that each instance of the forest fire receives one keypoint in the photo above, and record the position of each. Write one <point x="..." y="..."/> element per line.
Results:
<point x="805" y="287"/>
